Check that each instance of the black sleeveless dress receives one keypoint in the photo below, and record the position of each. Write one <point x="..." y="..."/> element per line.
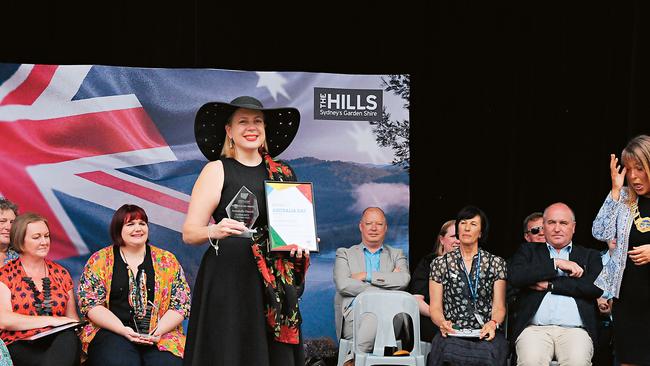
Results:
<point x="227" y="324"/>
<point x="631" y="311"/>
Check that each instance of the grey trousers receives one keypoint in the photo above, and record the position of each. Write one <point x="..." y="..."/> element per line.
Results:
<point x="368" y="328"/>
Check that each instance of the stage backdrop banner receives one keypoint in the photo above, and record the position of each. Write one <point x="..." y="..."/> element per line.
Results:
<point x="78" y="141"/>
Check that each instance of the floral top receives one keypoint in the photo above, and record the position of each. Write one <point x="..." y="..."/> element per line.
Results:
<point x="22" y="297"/>
<point x="5" y="359"/>
<point x="458" y="305"/>
<point x="171" y="293"/>
<point x="11" y="255"/>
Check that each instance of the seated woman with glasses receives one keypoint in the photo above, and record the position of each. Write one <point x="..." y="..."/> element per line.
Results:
<point x="533" y="228"/>
<point x="135" y="296"/>
<point x="37" y="294"/>
<point x="468" y="292"/>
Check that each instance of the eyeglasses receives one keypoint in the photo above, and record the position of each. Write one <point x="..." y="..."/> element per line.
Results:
<point x="534" y="230"/>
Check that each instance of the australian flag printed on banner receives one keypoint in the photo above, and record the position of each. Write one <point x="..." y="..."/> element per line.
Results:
<point x="79" y="141"/>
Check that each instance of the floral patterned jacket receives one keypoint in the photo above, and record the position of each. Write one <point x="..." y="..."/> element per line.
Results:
<point x="613" y="221"/>
<point x="171" y="293"/>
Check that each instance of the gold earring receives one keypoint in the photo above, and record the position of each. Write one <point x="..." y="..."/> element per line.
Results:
<point x="231" y="143"/>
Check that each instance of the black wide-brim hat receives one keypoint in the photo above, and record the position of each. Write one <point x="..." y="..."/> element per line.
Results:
<point x="281" y="125"/>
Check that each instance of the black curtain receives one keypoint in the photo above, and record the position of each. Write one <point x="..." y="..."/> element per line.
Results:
<point x="515" y="104"/>
<point x="531" y="98"/>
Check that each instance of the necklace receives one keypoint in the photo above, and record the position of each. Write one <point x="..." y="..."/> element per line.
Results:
<point x="642" y="223"/>
<point x="43" y="307"/>
<point x="124" y="258"/>
<point x="137" y="289"/>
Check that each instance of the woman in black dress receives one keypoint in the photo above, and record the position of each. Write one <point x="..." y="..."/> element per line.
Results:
<point x="625" y="216"/>
<point x="240" y="315"/>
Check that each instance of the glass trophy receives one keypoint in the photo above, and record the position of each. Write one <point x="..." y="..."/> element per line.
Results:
<point x="141" y="324"/>
<point x="244" y="208"/>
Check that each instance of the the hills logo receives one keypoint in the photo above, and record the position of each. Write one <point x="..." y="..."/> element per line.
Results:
<point x="348" y="104"/>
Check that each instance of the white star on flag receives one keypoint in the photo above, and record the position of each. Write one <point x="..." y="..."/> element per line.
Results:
<point x="274" y="82"/>
<point x="365" y="143"/>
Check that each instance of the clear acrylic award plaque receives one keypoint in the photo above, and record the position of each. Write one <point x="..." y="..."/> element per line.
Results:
<point x="244" y="208"/>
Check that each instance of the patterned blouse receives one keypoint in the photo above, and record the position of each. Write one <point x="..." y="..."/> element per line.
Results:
<point x="5" y="358"/>
<point x="22" y="297"/>
<point x="171" y="293"/>
<point x="11" y="255"/>
<point x="458" y="306"/>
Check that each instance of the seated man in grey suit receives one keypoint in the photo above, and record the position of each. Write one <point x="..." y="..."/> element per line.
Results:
<point x="368" y="266"/>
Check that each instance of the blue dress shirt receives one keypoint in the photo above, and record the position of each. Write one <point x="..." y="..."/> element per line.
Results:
<point x="372" y="261"/>
<point x="558" y="309"/>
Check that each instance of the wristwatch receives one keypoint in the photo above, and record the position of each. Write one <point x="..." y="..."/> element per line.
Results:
<point x="549" y="287"/>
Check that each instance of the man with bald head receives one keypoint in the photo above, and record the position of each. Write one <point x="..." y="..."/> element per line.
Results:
<point x="557" y="316"/>
<point x="368" y="266"/>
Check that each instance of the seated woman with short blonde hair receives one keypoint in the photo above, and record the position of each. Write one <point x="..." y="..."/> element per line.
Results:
<point x="36" y="294"/>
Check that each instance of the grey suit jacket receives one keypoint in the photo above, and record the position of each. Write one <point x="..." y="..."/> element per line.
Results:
<point x="352" y="260"/>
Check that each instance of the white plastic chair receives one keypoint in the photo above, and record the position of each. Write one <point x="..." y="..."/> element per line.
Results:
<point x="425" y="347"/>
<point x="385" y="305"/>
<point x="345" y="345"/>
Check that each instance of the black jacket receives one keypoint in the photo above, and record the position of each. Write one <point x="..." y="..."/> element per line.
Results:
<point x="532" y="263"/>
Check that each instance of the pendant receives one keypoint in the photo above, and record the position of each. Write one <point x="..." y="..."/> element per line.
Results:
<point x="215" y="245"/>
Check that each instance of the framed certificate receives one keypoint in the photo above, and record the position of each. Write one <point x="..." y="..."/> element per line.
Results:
<point x="291" y="215"/>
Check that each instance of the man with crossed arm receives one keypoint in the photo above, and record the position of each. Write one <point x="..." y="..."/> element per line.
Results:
<point x="368" y="266"/>
<point x="557" y="314"/>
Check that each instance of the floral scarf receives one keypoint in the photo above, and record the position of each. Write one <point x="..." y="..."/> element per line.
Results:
<point x="283" y="276"/>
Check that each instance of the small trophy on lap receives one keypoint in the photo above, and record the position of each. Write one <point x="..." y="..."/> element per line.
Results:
<point x="143" y="323"/>
<point x="243" y="207"/>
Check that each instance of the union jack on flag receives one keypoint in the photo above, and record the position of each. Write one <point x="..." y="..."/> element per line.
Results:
<point x="67" y="145"/>
<point x="77" y="142"/>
